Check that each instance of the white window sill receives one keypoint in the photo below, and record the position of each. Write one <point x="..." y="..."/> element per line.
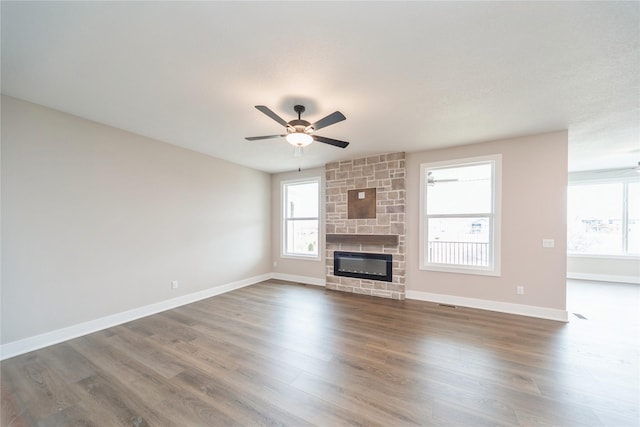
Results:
<point x="301" y="257"/>
<point x="460" y="270"/>
<point x="629" y="257"/>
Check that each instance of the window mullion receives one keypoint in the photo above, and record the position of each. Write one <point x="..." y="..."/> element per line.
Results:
<point x="625" y="218"/>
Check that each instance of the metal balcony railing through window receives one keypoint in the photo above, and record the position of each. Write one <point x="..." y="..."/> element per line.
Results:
<point x="459" y="253"/>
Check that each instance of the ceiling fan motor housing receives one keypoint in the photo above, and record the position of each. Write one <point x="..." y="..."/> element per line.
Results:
<point x="299" y="125"/>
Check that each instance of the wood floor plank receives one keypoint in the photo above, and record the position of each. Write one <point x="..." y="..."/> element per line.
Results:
<point x="278" y="353"/>
<point x="239" y="398"/>
<point x="136" y="376"/>
<point x="378" y="407"/>
<point x="451" y="413"/>
<point x="124" y="406"/>
<point x="67" y="362"/>
<point x="39" y="387"/>
<point x="13" y="412"/>
<point x="145" y="352"/>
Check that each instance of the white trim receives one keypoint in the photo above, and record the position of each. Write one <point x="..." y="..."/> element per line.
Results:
<point x="502" y="307"/>
<point x="46" y="339"/>
<point x="307" y="280"/>
<point x="630" y="257"/>
<point x="461" y="269"/>
<point x="302" y="257"/>
<point x="604" y="278"/>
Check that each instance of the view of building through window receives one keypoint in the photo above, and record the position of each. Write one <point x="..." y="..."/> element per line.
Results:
<point x="301" y="218"/>
<point x="604" y="218"/>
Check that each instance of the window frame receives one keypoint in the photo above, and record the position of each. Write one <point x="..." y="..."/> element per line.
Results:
<point x="284" y="220"/>
<point x="608" y="177"/>
<point x="495" y="160"/>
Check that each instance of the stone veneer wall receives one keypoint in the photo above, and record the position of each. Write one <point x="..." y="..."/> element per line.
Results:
<point x="387" y="174"/>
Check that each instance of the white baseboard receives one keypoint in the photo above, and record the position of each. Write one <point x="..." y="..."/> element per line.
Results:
<point x="604" y="278"/>
<point x="299" y="279"/>
<point x="36" y="342"/>
<point x="502" y="307"/>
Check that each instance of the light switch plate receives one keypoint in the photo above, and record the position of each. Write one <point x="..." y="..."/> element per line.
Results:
<point x="548" y="243"/>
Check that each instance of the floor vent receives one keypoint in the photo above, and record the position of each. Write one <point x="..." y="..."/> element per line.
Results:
<point x="580" y="316"/>
<point x="447" y="305"/>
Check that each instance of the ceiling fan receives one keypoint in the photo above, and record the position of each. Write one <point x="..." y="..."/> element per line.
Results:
<point x="432" y="181"/>
<point x="300" y="132"/>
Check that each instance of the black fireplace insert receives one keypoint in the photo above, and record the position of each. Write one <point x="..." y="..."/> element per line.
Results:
<point x="363" y="265"/>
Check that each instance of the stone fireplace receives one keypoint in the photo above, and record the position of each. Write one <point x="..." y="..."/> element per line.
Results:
<point x="380" y="231"/>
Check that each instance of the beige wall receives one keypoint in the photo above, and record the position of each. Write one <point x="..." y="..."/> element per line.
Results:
<point x="295" y="268"/>
<point x="534" y="181"/>
<point x="96" y="221"/>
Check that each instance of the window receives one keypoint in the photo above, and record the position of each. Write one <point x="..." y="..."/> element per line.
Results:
<point x="300" y="230"/>
<point x="603" y="218"/>
<point x="460" y="215"/>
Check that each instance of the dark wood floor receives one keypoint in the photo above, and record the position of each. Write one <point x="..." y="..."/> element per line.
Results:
<point x="285" y="354"/>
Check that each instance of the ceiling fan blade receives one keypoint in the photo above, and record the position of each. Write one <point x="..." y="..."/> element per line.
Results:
<point x="271" y="114"/>
<point x="327" y="121"/>
<point x="330" y="141"/>
<point x="255" y="138"/>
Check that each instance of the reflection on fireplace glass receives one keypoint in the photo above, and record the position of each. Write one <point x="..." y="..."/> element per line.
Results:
<point x="376" y="267"/>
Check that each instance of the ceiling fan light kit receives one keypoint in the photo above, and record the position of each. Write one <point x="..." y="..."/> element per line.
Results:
<point x="298" y="139"/>
<point x="299" y="131"/>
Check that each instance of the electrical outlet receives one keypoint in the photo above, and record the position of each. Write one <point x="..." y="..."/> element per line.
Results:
<point x="275" y="264"/>
<point x="548" y="243"/>
<point x="520" y="290"/>
<point x="174" y="284"/>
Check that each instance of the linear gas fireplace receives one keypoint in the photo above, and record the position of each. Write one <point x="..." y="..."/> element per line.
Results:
<point x="363" y="265"/>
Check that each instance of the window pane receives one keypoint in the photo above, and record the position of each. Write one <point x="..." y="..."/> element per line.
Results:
<point x="302" y="237"/>
<point x="460" y="241"/>
<point x="594" y="222"/>
<point x="459" y="190"/>
<point x="633" y="243"/>
<point x="302" y="200"/>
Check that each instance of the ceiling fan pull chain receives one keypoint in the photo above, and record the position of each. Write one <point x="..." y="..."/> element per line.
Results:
<point x="297" y="152"/>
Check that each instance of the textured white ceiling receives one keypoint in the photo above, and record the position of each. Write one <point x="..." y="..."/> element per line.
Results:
<point x="409" y="76"/>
